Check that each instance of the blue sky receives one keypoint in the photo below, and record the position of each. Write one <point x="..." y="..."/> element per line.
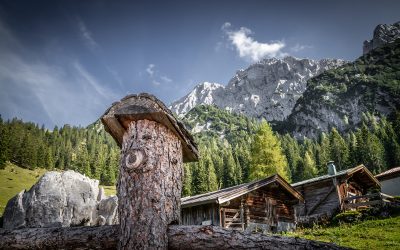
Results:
<point x="67" y="61"/>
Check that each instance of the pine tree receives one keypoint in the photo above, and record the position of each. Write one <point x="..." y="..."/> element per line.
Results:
<point x="353" y="150"/>
<point x="187" y="180"/>
<point x="309" y="167"/>
<point x="323" y="153"/>
<point x="229" y="176"/>
<point x="338" y="150"/>
<point x="212" y="183"/>
<point x="267" y="157"/>
<point x="49" y="162"/>
<point x="370" y="150"/>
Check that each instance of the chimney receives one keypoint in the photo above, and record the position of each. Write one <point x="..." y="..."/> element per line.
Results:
<point x="331" y="168"/>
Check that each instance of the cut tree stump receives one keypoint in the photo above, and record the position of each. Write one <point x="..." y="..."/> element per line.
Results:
<point x="153" y="147"/>
<point x="180" y="237"/>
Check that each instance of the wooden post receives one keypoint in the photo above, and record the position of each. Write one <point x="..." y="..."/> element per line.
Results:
<point x="154" y="146"/>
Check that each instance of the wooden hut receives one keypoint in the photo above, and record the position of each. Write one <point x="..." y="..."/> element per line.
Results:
<point x="335" y="191"/>
<point x="266" y="205"/>
<point x="390" y="181"/>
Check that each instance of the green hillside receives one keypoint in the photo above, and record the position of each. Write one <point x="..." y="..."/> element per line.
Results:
<point x="14" y="179"/>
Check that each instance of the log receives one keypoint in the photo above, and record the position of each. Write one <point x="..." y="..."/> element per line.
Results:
<point x="149" y="186"/>
<point x="153" y="147"/>
<point x="180" y="237"/>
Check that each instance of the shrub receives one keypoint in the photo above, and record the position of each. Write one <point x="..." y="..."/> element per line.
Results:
<point x="347" y="217"/>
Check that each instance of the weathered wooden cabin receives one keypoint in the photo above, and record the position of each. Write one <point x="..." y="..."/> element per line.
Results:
<point x="333" y="192"/>
<point x="390" y="181"/>
<point x="266" y="205"/>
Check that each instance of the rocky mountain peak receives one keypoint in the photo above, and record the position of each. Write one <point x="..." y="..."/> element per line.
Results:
<point x="268" y="88"/>
<point x="203" y="93"/>
<point x="383" y="34"/>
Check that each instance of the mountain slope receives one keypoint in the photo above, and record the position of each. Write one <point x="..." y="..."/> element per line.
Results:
<point x="268" y="89"/>
<point x="339" y="97"/>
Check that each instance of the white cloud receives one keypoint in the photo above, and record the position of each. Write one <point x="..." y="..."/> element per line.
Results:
<point x="226" y="25"/>
<point x="88" y="78"/>
<point x="87" y="35"/>
<point x="166" y="79"/>
<point x="249" y="48"/>
<point x="155" y="77"/>
<point x="150" y="69"/>
<point x="299" y="47"/>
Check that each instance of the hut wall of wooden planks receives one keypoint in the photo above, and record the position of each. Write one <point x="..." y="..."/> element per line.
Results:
<point x="266" y="205"/>
<point x="328" y="194"/>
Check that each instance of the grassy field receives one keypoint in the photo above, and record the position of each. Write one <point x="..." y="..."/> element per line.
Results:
<point x="371" y="234"/>
<point x="109" y="190"/>
<point x="14" y="179"/>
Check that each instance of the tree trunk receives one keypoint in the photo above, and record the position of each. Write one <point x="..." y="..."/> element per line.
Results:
<point x="149" y="185"/>
<point x="180" y="237"/>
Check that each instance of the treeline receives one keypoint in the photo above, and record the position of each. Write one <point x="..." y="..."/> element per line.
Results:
<point x="256" y="151"/>
<point x="90" y="151"/>
<point x="234" y="149"/>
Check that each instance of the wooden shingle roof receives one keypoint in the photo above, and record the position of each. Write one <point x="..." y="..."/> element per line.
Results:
<point x="389" y="174"/>
<point x="347" y="172"/>
<point x="226" y="194"/>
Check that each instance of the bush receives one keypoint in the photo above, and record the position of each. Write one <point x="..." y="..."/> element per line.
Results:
<point x="347" y="217"/>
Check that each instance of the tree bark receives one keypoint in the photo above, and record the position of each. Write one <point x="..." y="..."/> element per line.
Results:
<point x="180" y="237"/>
<point x="149" y="185"/>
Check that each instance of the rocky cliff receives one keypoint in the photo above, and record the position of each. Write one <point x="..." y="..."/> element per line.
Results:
<point x="339" y="97"/>
<point x="61" y="199"/>
<point x="383" y="34"/>
<point x="268" y="89"/>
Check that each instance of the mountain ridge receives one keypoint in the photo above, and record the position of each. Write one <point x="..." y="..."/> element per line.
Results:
<point x="267" y="89"/>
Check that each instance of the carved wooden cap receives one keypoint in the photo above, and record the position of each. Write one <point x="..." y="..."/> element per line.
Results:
<point x="117" y="118"/>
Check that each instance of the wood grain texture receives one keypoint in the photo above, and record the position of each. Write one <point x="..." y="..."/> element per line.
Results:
<point x="149" y="185"/>
<point x="118" y="117"/>
<point x="180" y="237"/>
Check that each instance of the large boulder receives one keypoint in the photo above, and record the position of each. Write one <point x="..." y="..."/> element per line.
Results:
<point x="61" y="199"/>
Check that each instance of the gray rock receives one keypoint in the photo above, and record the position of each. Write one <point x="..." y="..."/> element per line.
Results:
<point x="60" y="199"/>
<point x="383" y="34"/>
<point x="108" y="210"/>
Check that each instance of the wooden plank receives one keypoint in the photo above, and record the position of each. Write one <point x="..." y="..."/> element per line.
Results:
<point x="362" y="196"/>
<point x="387" y="196"/>
<point x="368" y="203"/>
<point x="232" y="219"/>
<point x="231" y="210"/>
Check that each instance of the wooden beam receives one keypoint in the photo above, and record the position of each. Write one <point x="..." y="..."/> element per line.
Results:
<point x="179" y="237"/>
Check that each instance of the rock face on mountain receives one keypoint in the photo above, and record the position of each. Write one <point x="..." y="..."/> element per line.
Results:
<point x="268" y="89"/>
<point x="61" y="200"/>
<point x="383" y="34"/>
<point x="338" y="98"/>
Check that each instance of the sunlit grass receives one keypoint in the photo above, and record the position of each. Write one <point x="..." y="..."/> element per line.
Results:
<point x="371" y="234"/>
<point x="13" y="180"/>
<point x="110" y="190"/>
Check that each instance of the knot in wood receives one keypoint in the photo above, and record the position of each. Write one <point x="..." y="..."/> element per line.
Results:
<point x="135" y="160"/>
<point x="174" y="161"/>
<point x="146" y="137"/>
